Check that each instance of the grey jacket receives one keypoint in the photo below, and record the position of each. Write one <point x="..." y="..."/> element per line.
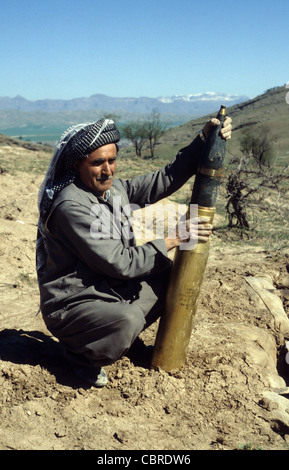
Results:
<point x="83" y="265"/>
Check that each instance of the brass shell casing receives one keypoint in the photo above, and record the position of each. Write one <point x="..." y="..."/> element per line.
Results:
<point x="188" y="268"/>
<point x="177" y="321"/>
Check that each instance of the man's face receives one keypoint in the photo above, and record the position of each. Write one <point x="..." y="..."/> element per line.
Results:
<point x="97" y="170"/>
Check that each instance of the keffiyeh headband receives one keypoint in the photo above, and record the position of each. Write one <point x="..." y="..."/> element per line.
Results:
<point x="75" y="144"/>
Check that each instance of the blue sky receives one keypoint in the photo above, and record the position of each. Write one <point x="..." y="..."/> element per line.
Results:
<point x="62" y="49"/>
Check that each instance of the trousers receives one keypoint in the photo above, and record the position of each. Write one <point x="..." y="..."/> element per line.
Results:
<point x="97" y="333"/>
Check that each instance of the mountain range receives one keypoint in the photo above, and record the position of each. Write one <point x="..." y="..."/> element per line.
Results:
<point x="270" y="109"/>
<point x="192" y="104"/>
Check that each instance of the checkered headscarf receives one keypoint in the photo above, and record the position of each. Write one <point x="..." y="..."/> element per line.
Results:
<point x="75" y="144"/>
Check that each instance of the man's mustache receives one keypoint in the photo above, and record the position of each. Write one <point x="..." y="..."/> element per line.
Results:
<point x="104" y="178"/>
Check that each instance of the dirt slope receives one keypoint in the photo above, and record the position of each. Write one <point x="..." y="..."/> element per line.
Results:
<point x="224" y="397"/>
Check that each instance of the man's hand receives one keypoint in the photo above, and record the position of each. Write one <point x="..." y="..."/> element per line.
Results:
<point x="226" y="131"/>
<point x="193" y="231"/>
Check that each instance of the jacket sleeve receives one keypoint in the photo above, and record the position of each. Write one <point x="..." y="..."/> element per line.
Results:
<point x="71" y="223"/>
<point x="154" y="186"/>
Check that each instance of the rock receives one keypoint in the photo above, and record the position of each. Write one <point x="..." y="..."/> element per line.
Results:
<point x="279" y="409"/>
<point x="262" y="292"/>
<point x="284" y="293"/>
<point x="261" y="352"/>
<point x="284" y="281"/>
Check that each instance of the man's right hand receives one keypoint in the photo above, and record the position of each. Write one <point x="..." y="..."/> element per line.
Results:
<point x="198" y="229"/>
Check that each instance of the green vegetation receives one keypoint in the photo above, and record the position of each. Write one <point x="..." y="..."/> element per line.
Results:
<point x="249" y="446"/>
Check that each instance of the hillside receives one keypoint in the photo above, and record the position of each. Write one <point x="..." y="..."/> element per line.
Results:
<point x="269" y="108"/>
<point x="18" y="143"/>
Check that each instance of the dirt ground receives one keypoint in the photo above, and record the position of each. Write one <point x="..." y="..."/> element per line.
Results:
<point x="230" y="394"/>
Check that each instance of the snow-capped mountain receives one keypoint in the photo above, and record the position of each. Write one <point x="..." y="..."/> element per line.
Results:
<point x="208" y="96"/>
<point x="193" y="104"/>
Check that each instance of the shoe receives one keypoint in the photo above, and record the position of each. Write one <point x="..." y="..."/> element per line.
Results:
<point x="95" y="377"/>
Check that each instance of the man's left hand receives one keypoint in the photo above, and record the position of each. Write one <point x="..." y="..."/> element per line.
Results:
<point x="226" y="131"/>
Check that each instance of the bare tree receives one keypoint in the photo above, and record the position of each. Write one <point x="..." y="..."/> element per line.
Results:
<point x="155" y="129"/>
<point x="254" y="185"/>
<point x="139" y="133"/>
<point x="257" y="143"/>
<point x="236" y="205"/>
<point x="136" y="132"/>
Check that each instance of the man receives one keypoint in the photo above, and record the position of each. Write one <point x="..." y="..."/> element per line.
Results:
<point x="98" y="290"/>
